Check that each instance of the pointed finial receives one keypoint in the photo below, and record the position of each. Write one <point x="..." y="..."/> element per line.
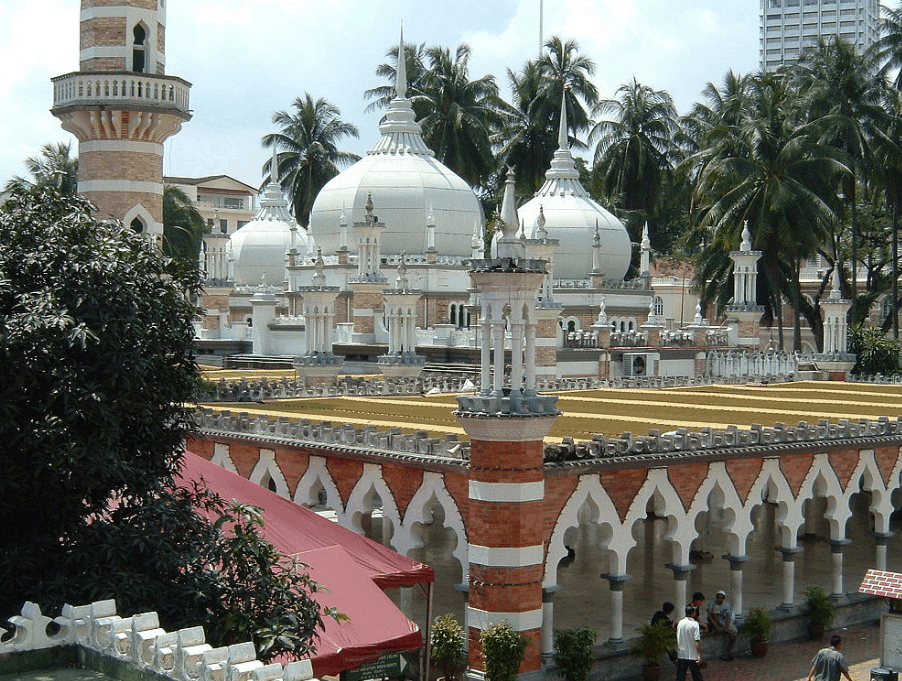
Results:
<point x="342" y="219"/>
<point x="836" y="290"/>
<point x="402" y="274"/>
<point x="562" y="142"/>
<point x="509" y="219"/>
<point x="430" y="218"/>
<point x="401" y="72"/>
<point x="541" y="232"/>
<point x="522" y="234"/>
<point x="319" y="276"/>
<point x="263" y="280"/>
<point x="596" y="238"/>
<point x="746" y="238"/>
<point x="698" y="313"/>
<point x="274" y="166"/>
<point x="646" y="242"/>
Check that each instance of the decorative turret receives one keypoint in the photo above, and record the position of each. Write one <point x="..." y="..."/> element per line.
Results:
<point x="836" y="359"/>
<point x="744" y="311"/>
<point x="318" y="365"/>
<point x="122" y="107"/>
<point x="401" y="361"/>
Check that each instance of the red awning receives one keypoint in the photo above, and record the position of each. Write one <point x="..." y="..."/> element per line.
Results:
<point x="352" y="567"/>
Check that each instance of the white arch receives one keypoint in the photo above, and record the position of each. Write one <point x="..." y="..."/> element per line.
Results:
<point x="432" y="487"/>
<point x="267" y="467"/>
<point x="738" y="525"/>
<point x="317" y="475"/>
<point x="822" y="475"/>
<point x="151" y="226"/>
<point x="589" y="488"/>
<point x="222" y="457"/>
<point x="660" y="491"/>
<point x="360" y="499"/>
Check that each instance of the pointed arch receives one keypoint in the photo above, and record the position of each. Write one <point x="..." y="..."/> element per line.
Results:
<point x="222" y="457"/>
<point x="268" y="474"/>
<point x="317" y="477"/>
<point x="432" y="490"/>
<point x="360" y="499"/>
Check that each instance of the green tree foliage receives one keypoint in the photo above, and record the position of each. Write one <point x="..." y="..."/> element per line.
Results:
<point x="503" y="649"/>
<point x="574" y="652"/>
<point x="309" y="156"/>
<point x="635" y="143"/>
<point x="96" y="342"/>
<point x="876" y="353"/>
<point x="183" y="226"/>
<point x="55" y="168"/>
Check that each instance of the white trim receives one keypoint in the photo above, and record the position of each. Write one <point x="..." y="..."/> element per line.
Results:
<point x="520" y="621"/>
<point x="89" y="146"/>
<point x="507" y="491"/>
<point x="362" y="312"/>
<point x="506" y="557"/>
<point x="100" y="51"/>
<point x="120" y="186"/>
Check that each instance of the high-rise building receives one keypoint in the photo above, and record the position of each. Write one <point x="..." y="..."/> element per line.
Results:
<point x="789" y="27"/>
<point x="122" y="107"/>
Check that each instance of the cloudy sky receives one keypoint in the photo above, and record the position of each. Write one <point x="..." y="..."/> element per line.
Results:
<point x="249" y="58"/>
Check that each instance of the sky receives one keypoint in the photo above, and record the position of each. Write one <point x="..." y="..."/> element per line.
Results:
<point x="247" y="59"/>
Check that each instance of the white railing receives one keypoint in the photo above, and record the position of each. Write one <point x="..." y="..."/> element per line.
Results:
<point x="120" y="87"/>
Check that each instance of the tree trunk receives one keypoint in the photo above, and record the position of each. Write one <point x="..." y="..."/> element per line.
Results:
<point x="796" y="300"/>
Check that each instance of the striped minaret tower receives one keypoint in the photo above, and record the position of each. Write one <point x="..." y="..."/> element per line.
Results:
<point x="507" y="421"/>
<point x="122" y="107"/>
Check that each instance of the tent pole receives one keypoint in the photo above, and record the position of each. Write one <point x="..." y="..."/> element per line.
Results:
<point x="424" y="675"/>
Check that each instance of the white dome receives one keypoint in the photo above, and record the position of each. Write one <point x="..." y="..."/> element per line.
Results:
<point x="571" y="217"/>
<point x="259" y="248"/>
<point x="406" y="183"/>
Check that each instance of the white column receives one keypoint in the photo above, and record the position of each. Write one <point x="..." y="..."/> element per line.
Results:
<point x="616" y="586"/>
<point x="498" y="342"/>
<point x="881" y="539"/>
<point x="736" y="574"/>
<point x="789" y="574"/>
<point x="547" y="645"/>
<point x="485" y="354"/>
<point x="530" y="386"/>
<point x="516" y="351"/>
<point x="836" y="553"/>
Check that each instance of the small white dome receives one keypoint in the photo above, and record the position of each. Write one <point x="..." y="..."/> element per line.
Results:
<point x="259" y="248"/>
<point x="571" y="216"/>
<point x="406" y="182"/>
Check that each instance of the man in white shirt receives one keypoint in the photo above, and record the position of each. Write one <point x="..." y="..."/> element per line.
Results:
<point x="689" y="647"/>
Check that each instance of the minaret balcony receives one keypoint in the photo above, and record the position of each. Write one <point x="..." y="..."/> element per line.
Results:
<point x="122" y="90"/>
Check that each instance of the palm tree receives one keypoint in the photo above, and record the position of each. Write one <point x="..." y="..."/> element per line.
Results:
<point x="415" y="64"/>
<point x="309" y="157"/>
<point x="564" y="69"/>
<point x="839" y="94"/>
<point x="55" y="167"/>
<point x="888" y="49"/>
<point x="781" y="180"/>
<point x="459" y="113"/>
<point x="634" y="150"/>
<point x="183" y="226"/>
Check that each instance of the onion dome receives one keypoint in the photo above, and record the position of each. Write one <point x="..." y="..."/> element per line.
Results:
<point x="571" y="216"/>
<point x="406" y="182"/>
<point x="259" y="247"/>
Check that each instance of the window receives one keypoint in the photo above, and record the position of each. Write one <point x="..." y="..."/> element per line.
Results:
<point x="233" y="203"/>
<point x="242" y="223"/>
<point x="139" y="50"/>
<point x="138" y="225"/>
<point x="659" y="306"/>
<point x="224" y="226"/>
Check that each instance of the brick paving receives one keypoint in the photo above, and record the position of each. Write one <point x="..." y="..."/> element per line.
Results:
<point x="791" y="661"/>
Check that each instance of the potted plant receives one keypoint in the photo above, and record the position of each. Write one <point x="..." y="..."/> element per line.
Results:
<point x="574" y="652"/>
<point x="821" y="611"/>
<point x="757" y="627"/>
<point x="653" y="643"/>
<point x="503" y="649"/>
<point x="447" y="646"/>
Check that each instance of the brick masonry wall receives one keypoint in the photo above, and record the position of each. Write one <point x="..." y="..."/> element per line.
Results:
<point x="120" y="165"/>
<point x="117" y="204"/>
<point x="102" y="32"/>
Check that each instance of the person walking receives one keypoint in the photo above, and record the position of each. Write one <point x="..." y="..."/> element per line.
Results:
<point x="721" y="621"/>
<point x="829" y="663"/>
<point x="689" y="647"/>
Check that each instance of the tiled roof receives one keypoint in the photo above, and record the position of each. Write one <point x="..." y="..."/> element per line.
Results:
<point x="882" y="583"/>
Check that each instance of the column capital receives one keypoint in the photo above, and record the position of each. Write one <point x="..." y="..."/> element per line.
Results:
<point x="615" y="581"/>
<point x="789" y="552"/>
<point x="735" y="560"/>
<point x="680" y="572"/>
<point x="836" y="545"/>
<point x="549" y="591"/>
<point x="882" y="538"/>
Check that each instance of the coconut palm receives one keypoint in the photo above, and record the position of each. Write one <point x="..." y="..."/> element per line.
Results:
<point x="309" y="156"/>
<point x="839" y="94"/>
<point x="887" y="51"/>
<point x="55" y="167"/>
<point x="415" y="64"/>
<point x="777" y="177"/>
<point x="564" y="69"/>
<point x="183" y="226"/>
<point x="459" y="114"/>
<point x="635" y="145"/>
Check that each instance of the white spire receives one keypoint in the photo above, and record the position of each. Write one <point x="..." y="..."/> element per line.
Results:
<point x="746" y="238"/>
<point x="836" y="290"/>
<point x="562" y="142"/>
<point x="319" y="277"/>
<point x="401" y="72"/>
<point x="509" y="220"/>
<point x="274" y="166"/>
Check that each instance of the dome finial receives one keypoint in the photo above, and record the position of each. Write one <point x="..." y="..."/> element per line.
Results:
<point x="562" y="141"/>
<point x="746" y="238"/>
<point x="509" y="220"/>
<point x="401" y="71"/>
<point x="274" y="166"/>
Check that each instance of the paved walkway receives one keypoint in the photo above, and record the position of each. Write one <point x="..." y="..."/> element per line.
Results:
<point x="791" y="661"/>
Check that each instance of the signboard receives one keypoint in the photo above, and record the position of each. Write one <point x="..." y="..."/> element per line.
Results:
<point x="387" y="666"/>
<point x="891" y="641"/>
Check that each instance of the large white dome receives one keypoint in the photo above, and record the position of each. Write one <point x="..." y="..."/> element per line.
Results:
<point x="406" y="183"/>
<point x="259" y="248"/>
<point x="571" y="217"/>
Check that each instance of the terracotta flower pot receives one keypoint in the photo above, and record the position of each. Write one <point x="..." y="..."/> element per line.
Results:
<point x="816" y="631"/>
<point x="651" y="672"/>
<point x="759" y="647"/>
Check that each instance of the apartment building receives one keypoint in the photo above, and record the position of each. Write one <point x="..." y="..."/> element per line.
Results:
<point x="788" y="27"/>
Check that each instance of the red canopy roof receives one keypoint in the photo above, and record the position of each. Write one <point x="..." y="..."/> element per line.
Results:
<point x="352" y="567"/>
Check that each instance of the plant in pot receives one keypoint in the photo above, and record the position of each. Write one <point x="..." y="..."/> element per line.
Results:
<point x="757" y="627"/>
<point x="503" y="650"/>
<point x="653" y="643"/>
<point x="447" y="646"/>
<point x="821" y="611"/>
<point x="574" y="652"/>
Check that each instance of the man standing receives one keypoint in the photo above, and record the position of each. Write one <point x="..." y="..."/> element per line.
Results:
<point x="720" y="621"/>
<point x="689" y="647"/>
<point x="829" y="663"/>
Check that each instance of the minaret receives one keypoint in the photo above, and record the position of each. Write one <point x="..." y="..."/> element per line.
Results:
<point x="506" y="422"/>
<point x="836" y="360"/>
<point x="318" y="365"/>
<point x="122" y="107"/>
<point x="744" y="311"/>
<point x="401" y="360"/>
